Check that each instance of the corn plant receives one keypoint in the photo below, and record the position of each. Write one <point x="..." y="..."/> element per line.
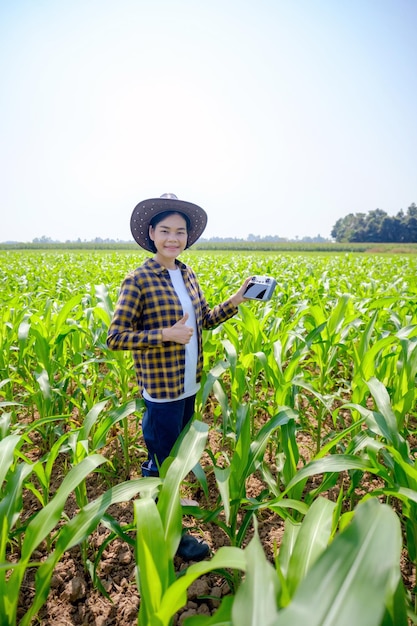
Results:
<point x="357" y="578"/>
<point x="354" y="578"/>
<point x="94" y="433"/>
<point x="41" y="524"/>
<point x="381" y="451"/>
<point x="245" y="459"/>
<point x="159" y="525"/>
<point x="77" y="530"/>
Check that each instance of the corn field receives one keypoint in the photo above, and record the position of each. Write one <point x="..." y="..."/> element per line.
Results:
<point x="312" y="395"/>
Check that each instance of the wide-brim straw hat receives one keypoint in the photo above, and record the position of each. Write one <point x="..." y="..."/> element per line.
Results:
<point x="146" y="210"/>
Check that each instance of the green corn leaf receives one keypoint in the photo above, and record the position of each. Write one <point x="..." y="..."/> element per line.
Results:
<point x="260" y="442"/>
<point x="289" y="538"/>
<point x="23" y="332"/>
<point x="312" y="539"/>
<point x="48" y="517"/>
<point x="7" y="448"/>
<point x="44" y="384"/>
<point x="90" y="419"/>
<point x="231" y="352"/>
<point x="355" y="578"/>
<point x="113" y="417"/>
<point x="212" y="377"/>
<point x="10" y="511"/>
<point x="222" y="475"/>
<point x="255" y="600"/>
<point x="291" y="454"/>
<point x="11" y="502"/>
<point x="202" y="478"/>
<point x="239" y="461"/>
<point x="155" y="569"/>
<point x="176" y="595"/>
<point x="105" y="303"/>
<point x="382" y="400"/>
<point x="188" y="452"/>
<point x="338" y="316"/>
<point x="279" y="505"/>
<point x="62" y="316"/>
<point x="333" y="463"/>
<point x="368" y="358"/>
<point x="222" y="398"/>
<point x="80" y="526"/>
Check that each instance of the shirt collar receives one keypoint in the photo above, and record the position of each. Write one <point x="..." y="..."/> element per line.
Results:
<point x="160" y="269"/>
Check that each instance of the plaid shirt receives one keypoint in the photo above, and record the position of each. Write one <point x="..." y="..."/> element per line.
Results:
<point x="148" y="303"/>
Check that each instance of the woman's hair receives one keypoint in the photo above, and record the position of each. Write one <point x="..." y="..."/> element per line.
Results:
<point x="161" y="216"/>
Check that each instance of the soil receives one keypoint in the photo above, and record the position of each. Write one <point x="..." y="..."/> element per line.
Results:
<point x="74" y="600"/>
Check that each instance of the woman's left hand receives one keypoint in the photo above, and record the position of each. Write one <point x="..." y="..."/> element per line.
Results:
<point x="238" y="297"/>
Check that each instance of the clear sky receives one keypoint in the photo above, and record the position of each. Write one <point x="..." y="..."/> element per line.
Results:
<point x="278" y="117"/>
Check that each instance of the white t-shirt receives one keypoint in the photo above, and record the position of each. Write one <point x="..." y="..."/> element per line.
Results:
<point x="191" y="349"/>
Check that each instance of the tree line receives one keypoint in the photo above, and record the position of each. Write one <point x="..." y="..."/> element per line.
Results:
<point x="377" y="227"/>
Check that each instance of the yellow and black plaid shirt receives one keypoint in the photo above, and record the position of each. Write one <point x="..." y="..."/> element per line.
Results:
<point x="148" y="303"/>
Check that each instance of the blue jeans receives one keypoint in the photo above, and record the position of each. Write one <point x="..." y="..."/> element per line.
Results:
<point x="162" y="424"/>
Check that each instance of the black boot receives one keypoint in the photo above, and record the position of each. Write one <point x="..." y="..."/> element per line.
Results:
<point x="192" y="549"/>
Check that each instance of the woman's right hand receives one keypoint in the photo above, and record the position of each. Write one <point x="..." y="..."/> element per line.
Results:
<point x="179" y="332"/>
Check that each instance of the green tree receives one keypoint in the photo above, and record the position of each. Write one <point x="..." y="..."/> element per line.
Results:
<point x="346" y="227"/>
<point x="377" y="226"/>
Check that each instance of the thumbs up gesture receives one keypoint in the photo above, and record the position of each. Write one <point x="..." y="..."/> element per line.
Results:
<point x="179" y="332"/>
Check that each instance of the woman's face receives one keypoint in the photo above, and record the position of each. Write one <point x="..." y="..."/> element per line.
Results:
<point x="170" y="238"/>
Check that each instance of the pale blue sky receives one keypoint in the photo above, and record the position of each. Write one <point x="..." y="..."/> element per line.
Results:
<point x="277" y="117"/>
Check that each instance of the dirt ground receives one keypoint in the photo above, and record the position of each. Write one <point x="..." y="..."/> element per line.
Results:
<point x="73" y="600"/>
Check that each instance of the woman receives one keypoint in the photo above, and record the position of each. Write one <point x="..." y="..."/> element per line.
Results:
<point x="160" y="315"/>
